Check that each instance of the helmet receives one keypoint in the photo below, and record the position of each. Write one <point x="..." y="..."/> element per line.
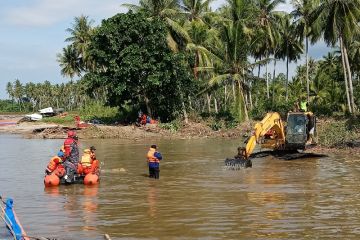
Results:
<point x="92" y="148"/>
<point x="71" y="133"/>
<point x="60" y="154"/>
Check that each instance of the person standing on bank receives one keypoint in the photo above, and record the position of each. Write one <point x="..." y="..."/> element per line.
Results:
<point x="153" y="159"/>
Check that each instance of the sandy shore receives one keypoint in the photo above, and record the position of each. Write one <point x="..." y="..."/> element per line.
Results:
<point x="187" y="131"/>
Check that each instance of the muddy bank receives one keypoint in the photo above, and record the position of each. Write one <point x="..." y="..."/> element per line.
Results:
<point x="187" y="131"/>
<point x="192" y="130"/>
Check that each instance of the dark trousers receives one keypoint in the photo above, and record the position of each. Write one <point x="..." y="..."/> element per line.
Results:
<point x="70" y="170"/>
<point x="154" y="172"/>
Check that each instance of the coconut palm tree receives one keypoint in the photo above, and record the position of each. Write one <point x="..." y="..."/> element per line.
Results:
<point x="236" y="34"/>
<point x="291" y="47"/>
<point x="338" y="21"/>
<point x="9" y="90"/>
<point x="354" y="54"/>
<point x="301" y="13"/>
<point x="196" y="9"/>
<point x="326" y="85"/>
<point x="169" y="11"/>
<point x="268" y="24"/>
<point x="69" y="62"/>
<point x="80" y="37"/>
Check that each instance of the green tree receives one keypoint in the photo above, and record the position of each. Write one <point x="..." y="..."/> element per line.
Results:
<point x="9" y="90"/>
<point x="302" y="14"/>
<point x="69" y="62"/>
<point x="196" y="9"/>
<point x="18" y="92"/>
<point x="136" y="65"/>
<point x="338" y="21"/>
<point x="290" y="46"/>
<point x="169" y="12"/>
<point x="268" y="27"/>
<point x="80" y="36"/>
<point x="236" y="35"/>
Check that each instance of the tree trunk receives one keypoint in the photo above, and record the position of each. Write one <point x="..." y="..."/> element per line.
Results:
<point x="186" y="118"/>
<point x="287" y="79"/>
<point x="307" y="69"/>
<point x="345" y="75"/>
<point x="351" y="89"/>
<point x="233" y="90"/>
<point x="225" y="96"/>
<point x="250" y="95"/>
<point x="196" y="65"/>
<point x="274" y="69"/>
<point x="242" y="102"/>
<point x="209" y="102"/>
<point x="259" y="68"/>
<point x="190" y="103"/>
<point x="215" y="105"/>
<point x="267" y="82"/>
<point x="148" y="109"/>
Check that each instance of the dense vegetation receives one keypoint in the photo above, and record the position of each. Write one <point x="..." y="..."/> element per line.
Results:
<point x="175" y="59"/>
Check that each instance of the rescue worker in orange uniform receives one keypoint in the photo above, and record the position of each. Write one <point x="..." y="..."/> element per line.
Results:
<point x="89" y="163"/>
<point x="55" y="165"/>
<point x="153" y="159"/>
<point x="71" y="156"/>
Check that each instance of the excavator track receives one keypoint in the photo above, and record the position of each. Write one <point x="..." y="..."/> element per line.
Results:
<point x="241" y="163"/>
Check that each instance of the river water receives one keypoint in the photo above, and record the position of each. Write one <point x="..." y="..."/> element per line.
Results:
<point x="195" y="197"/>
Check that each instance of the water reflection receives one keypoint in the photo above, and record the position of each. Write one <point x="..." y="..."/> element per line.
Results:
<point x="80" y="201"/>
<point x="152" y="199"/>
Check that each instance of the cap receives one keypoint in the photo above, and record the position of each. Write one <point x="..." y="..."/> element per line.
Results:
<point x="92" y="148"/>
<point x="153" y="146"/>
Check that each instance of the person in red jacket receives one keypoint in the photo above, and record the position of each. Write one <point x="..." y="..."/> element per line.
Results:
<point x="71" y="148"/>
<point x="55" y="165"/>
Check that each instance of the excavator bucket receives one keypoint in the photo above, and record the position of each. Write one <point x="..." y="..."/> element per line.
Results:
<point x="237" y="163"/>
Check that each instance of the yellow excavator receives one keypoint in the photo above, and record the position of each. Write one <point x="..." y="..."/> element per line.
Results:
<point x="286" y="138"/>
<point x="297" y="133"/>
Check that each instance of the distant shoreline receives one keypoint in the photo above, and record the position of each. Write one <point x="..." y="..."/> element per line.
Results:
<point x="36" y="130"/>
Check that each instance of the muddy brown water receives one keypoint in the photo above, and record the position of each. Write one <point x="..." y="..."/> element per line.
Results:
<point x="195" y="198"/>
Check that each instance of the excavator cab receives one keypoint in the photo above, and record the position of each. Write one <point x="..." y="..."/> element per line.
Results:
<point x="300" y="130"/>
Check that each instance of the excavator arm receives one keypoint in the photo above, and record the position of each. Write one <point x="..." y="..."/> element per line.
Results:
<point x="269" y="133"/>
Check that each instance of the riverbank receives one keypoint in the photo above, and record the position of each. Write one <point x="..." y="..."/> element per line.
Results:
<point x="334" y="135"/>
<point x="93" y="131"/>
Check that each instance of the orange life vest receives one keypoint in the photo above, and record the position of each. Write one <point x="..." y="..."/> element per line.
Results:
<point x="150" y="156"/>
<point x="54" y="162"/>
<point x="86" y="159"/>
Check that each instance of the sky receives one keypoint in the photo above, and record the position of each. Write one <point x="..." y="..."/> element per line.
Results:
<point x="32" y="33"/>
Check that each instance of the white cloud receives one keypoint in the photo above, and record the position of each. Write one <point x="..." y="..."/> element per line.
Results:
<point x="48" y="12"/>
